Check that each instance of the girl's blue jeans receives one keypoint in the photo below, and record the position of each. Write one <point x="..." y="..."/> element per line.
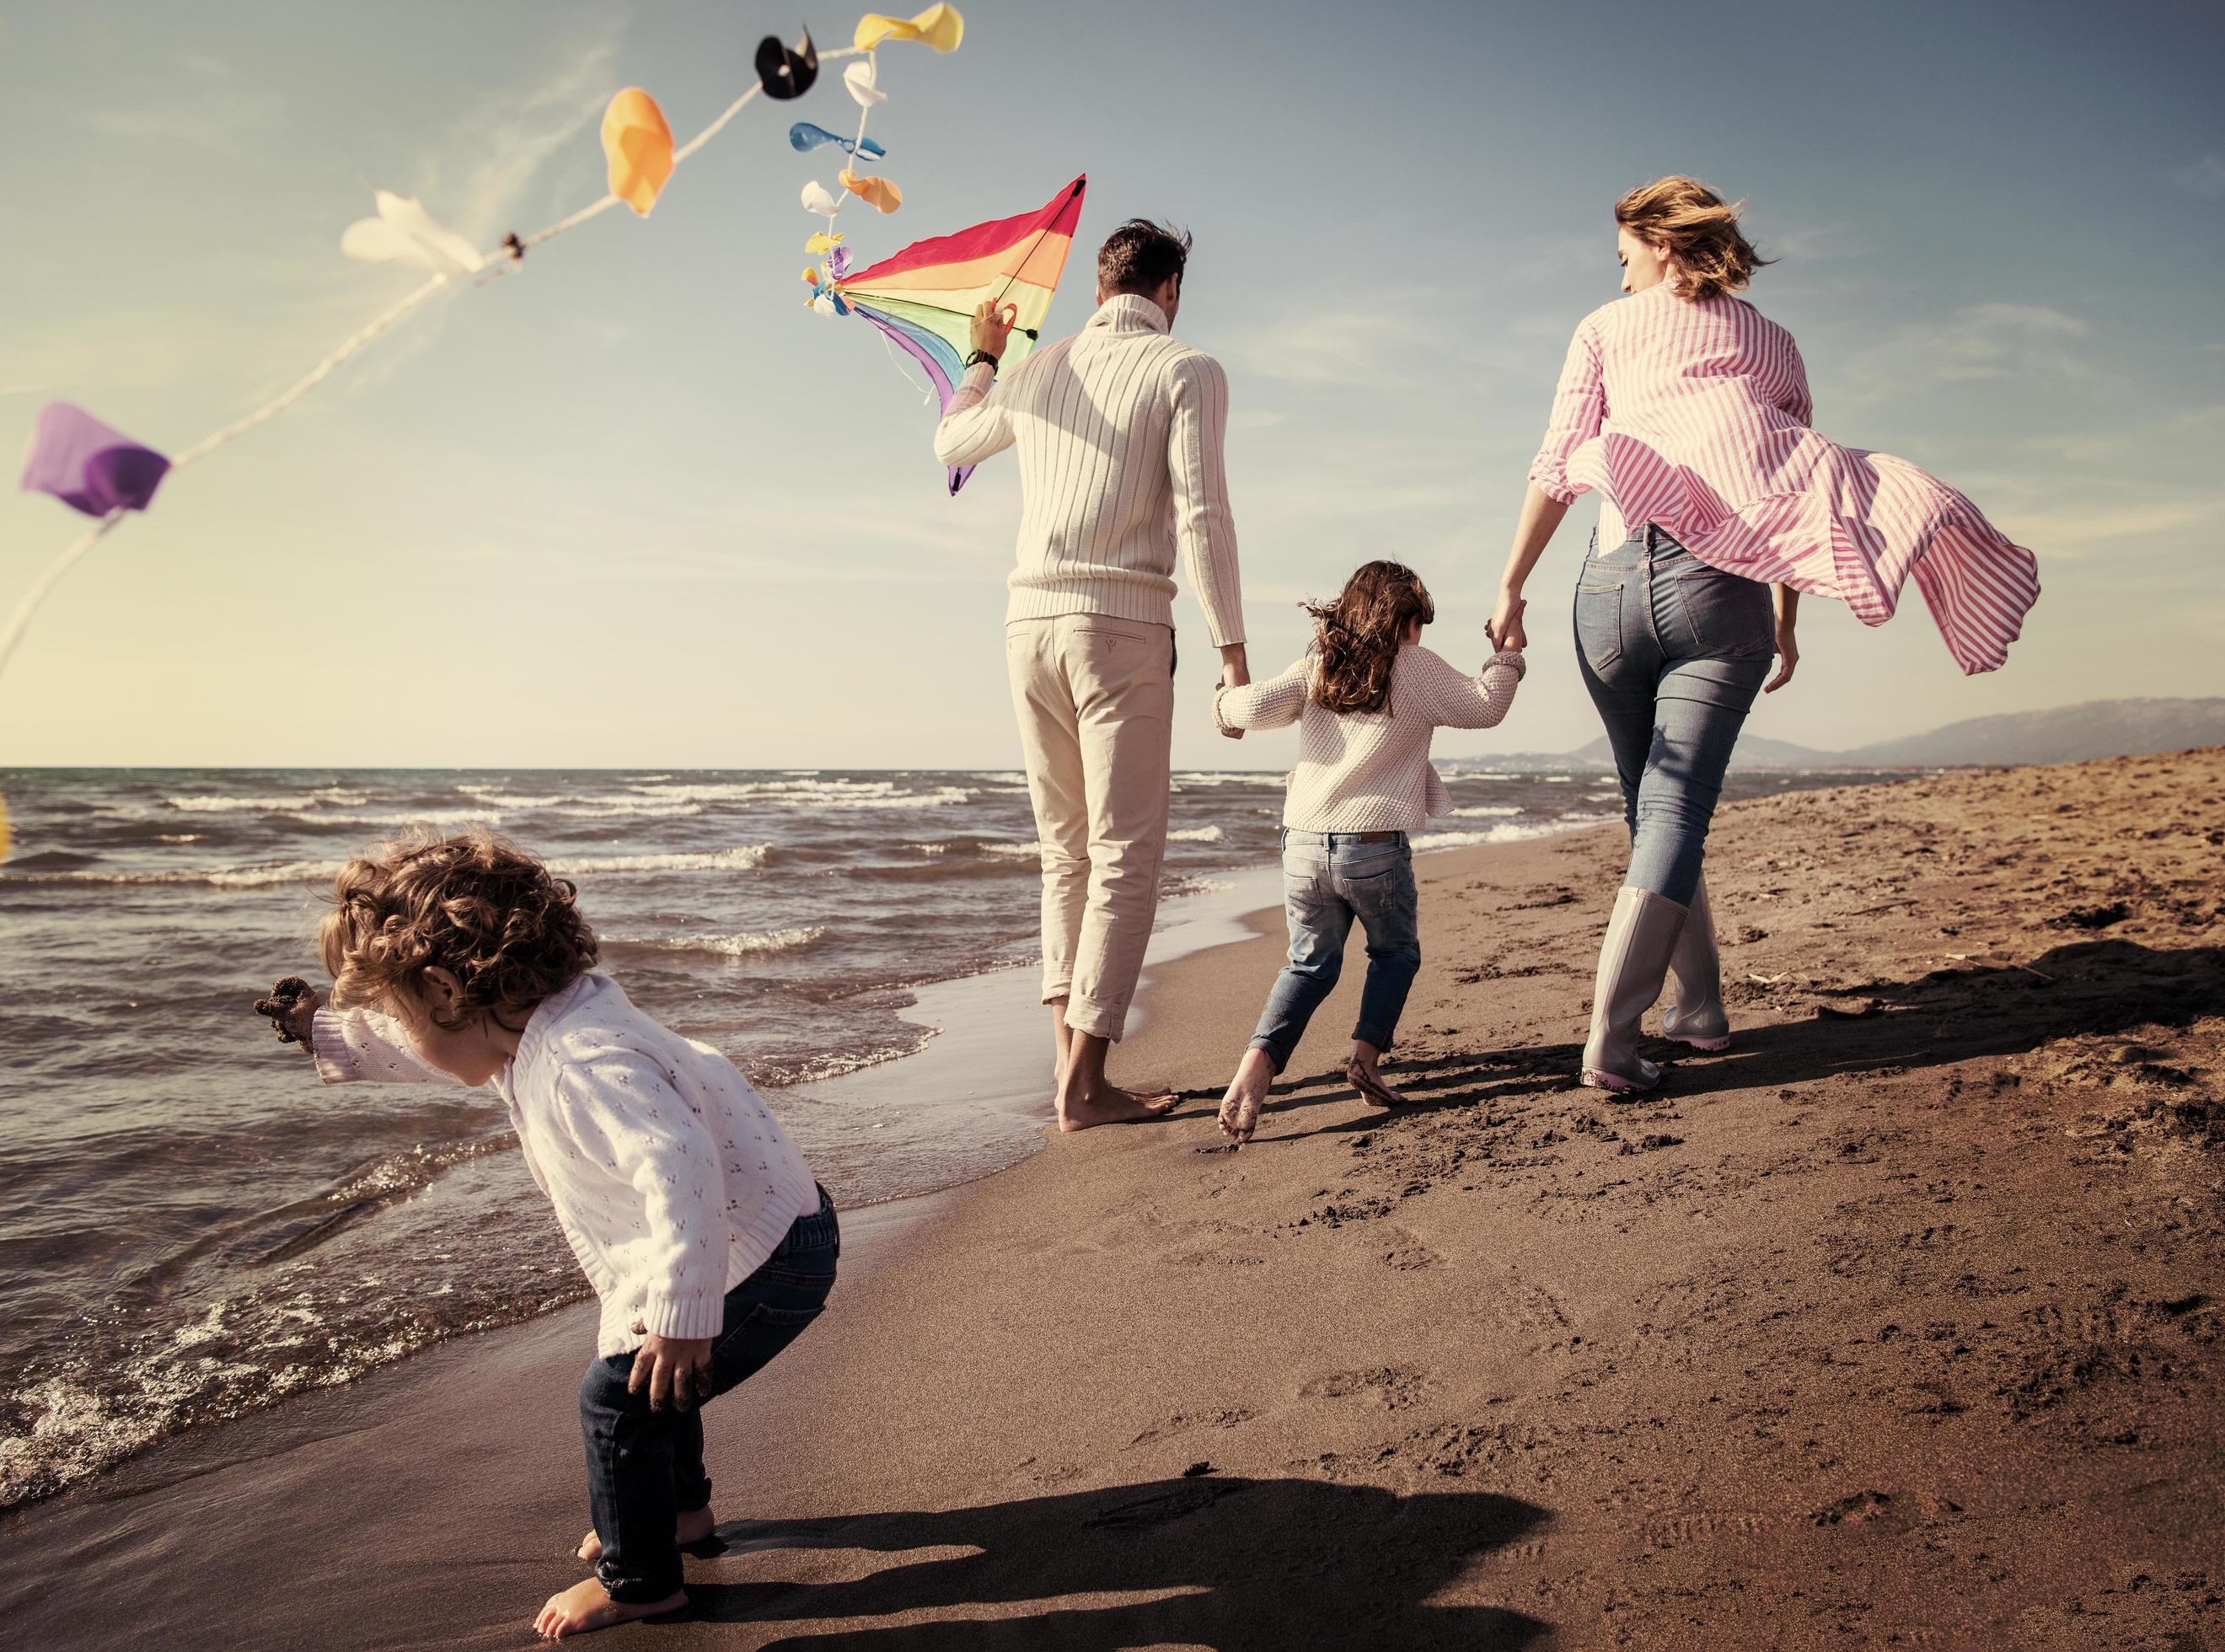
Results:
<point x="645" y="1467"/>
<point x="1673" y="652"/>
<point x="1328" y="879"/>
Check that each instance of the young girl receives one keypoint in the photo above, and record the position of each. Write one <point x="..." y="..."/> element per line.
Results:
<point x="693" y="1216"/>
<point x="1367" y="696"/>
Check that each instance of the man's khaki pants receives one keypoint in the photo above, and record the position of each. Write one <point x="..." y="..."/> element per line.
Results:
<point x="1096" y="698"/>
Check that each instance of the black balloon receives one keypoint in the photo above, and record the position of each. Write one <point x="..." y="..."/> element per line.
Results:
<point x="784" y="74"/>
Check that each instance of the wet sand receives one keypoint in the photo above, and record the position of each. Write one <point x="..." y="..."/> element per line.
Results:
<point x="1898" y="1324"/>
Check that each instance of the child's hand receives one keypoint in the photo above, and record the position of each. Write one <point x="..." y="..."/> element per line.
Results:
<point x="676" y="1370"/>
<point x="1505" y="627"/>
<point x="292" y="1006"/>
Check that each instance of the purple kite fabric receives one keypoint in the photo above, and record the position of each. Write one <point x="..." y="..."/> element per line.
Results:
<point x="89" y="467"/>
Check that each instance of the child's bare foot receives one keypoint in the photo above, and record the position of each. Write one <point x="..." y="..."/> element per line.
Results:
<point x="587" y="1605"/>
<point x="1363" y="1076"/>
<point x="694" y="1525"/>
<point x="1247" y="1094"/>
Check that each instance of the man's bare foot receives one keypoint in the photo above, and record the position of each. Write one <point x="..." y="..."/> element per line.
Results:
<point x="694" y="1525"/>
<point x="1368" y="1081"/>
<point x="1087" y="1098"/>
<point x="587" y="1605"/>
<point x="1247" y="1095"/>
<point x="1110" y="1104"/>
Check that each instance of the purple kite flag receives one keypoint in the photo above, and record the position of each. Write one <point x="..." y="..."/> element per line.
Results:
<point x="89" y="467"/>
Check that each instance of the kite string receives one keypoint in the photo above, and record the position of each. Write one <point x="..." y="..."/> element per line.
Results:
<point x="926" y="391"/>
<point x="349" y="347"/>
<point x="858" y="144"/>
<point x="20" y="622"/>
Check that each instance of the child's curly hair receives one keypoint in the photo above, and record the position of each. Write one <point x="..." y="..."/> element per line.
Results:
<point x="475" y="904"/>
<point x="1356" y="638"/>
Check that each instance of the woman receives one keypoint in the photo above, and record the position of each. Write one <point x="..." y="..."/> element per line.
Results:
<point x="1689" y="411"/>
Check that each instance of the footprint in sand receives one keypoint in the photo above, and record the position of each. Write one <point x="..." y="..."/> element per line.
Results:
<point x="1395" y="1386"/>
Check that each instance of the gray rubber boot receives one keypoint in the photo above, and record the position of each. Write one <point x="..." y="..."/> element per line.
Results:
<point x="1633" y="961"/>
<point x="1697" y="1017"/>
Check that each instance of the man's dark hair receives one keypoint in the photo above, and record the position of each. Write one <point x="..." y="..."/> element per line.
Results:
<point x="1141" y="257"/>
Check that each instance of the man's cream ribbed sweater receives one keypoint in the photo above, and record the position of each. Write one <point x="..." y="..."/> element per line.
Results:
<point x="1120" y="431"/>
<point x="1369" y="771"/>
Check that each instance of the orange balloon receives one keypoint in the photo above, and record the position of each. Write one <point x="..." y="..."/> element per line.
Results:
<point x="877" y="193"/>
<point x="639" y="144"/>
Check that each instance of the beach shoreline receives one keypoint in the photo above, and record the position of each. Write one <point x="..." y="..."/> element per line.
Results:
<point x="1891" y="1322"/>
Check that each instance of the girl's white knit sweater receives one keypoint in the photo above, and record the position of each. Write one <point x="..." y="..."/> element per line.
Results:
<point x="671" y="1181"/>
<point x="1369" y="771"/>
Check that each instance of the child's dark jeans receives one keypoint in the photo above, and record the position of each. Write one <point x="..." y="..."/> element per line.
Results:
<point x="1328" y="879"/>
<point x="645" y="1467"/>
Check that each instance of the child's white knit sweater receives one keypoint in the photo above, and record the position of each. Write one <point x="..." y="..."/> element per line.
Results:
<point x="671" y="1181"/>
<point x="1369" y="771"/>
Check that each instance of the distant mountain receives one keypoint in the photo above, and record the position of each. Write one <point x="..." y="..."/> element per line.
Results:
<point x="2058" y="735"/>
<point x="1752" y="752"/>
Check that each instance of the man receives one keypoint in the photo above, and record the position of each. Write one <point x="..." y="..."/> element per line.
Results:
<point x="1120" y="431"/>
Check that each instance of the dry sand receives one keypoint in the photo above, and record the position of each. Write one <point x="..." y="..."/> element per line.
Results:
<point x="1898" y="1323"/>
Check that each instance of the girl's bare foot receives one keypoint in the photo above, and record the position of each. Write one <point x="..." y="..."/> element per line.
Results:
<point x="694" y="1525"/>
<point x="587" y="1605"/>
<point x="1247" y="1094"/>
<point x="1363" y="1075"/>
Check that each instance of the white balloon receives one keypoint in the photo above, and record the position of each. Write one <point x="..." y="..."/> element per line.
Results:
<point x="859" y="77"/>
<point x="404" y="233"/>
<point x="817" y="202"/>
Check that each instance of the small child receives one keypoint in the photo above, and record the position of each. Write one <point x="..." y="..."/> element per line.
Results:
<point x="1367" y="696"/>
<point x="694" y="1215"/>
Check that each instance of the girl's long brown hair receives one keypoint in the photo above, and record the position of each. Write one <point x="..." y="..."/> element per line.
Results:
<point x="1694" y="225"/>
<point x="1356" y="638"/>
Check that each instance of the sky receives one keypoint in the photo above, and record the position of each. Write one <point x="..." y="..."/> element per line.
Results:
<point x="637" y="506"/>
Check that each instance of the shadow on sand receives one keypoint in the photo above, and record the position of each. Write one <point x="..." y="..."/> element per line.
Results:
<point x="2086" y="989"/>
<point x="1211" y="1561"/>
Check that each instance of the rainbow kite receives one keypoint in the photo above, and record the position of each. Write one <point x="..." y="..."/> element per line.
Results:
<point x="924" y="297"/>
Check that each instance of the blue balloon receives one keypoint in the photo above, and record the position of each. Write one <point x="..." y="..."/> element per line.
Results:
<point x="804" y="137"/>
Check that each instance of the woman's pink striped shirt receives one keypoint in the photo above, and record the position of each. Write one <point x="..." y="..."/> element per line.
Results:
<point x="1694" y="416"/>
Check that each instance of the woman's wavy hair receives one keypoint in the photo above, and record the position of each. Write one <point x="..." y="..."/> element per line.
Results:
<point x="1356" y="638"/>
<point x="1690" y="222"/>
<point x="476" y="905"/>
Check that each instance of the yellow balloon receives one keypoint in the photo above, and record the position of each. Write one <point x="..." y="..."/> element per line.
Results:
<point x="639" y="144"/>
<point x="877" y="193"/>
<point x="6" y="842"/>
<point x="941" y="26"/>
<point x="822" y="242"/>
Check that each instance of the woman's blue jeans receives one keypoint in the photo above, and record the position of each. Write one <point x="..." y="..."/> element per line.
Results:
<point x="1673" y="652"/>
<point x="645" y="1467"/>
<point x="1328" y="879"/>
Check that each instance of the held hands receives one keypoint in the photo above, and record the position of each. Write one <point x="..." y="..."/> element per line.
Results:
<point x="676" y="1371"/>
<point x="1506" y="628"/>
<point x="292" y="1008"/>
<point x="992" y="326"/>
<point x="1235" y="673"/>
